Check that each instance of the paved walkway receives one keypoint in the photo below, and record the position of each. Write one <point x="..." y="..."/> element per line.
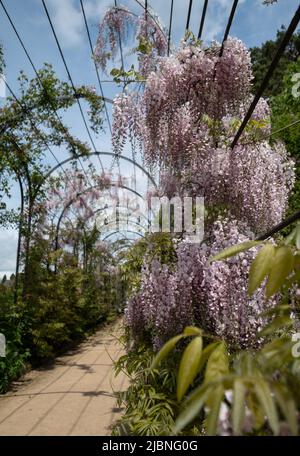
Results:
<point x="75" y="396"/>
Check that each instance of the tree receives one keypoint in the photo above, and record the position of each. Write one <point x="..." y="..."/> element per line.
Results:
<point x="285" y="111"/>
<point x="262" y="57"/>
<point x="29" y="126"/>
<point x="4" y="279"/>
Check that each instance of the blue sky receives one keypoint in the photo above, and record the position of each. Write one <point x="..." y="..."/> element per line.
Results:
<point x="254" y="23"/>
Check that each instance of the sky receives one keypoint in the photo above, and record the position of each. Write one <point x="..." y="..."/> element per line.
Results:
<point x="254" y="23"/>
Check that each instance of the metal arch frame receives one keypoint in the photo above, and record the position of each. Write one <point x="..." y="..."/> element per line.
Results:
<point x="122" y="207"/>
<point x="20" y="227"/>
<point x="149" y="13"/>
<point x="119" y="249"/>
<point x="110" y="154"/>
<point x="121" y="232"/>
<point x="122" y="220"/>
<point x="75" y="198"/>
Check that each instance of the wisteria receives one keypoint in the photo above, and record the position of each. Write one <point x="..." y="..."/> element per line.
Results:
<point x="186" y="120"/>
<point x="116" y="27"/>
<point x="210" y="295"/>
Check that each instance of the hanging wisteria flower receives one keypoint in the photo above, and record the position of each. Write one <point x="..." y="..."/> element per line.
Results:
<point x="210" y="295"/>
<point x="114" y="27"/>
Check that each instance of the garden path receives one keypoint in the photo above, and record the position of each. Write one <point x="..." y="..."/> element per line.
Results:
<point x="74" y="396"/>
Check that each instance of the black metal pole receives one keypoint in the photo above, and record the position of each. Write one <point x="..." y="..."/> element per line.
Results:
<point x="20" y="228"/>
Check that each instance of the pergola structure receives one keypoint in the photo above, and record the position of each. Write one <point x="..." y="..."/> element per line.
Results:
<point x="27" y="197"/>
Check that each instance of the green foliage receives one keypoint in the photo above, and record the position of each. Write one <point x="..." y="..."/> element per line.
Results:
<point x="234" y="250"/>
<point x="276" y="264"/>
<point x="286" y="111"/>
<point x="261" y="267"/>
<point x="126" y="77"/>
<point x="264" y="384"/>
<point x="156" y="245"/>
<point x="14" y="363"/>
<point x="263" y="56"/>
<point x="250" y="377"/>
<point x="150" y="401"/>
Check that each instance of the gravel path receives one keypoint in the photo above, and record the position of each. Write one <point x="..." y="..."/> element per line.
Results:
<point x="74" y="396"/>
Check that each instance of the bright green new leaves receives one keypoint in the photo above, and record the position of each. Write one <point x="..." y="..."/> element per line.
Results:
<point x="238" y="412"/>
<point x="165" y="350"/>
<point x="212" y="419"/>
<point x="287" y="406"/>
<point x="192" y="331"/>
<point x="210" y="393"/>
<point x="234" y="250"/>
<point x="170" y="345"/>
<point x="260" y="267"/>
<point x="189" y="366"/>
<point x="274" y="262"/>
<point x="265" y="398"/>
<point x="281" y="268"/>
<point x="192" y="407"/>
<point x="217" y="364"/>
<point x="294" y="237"/>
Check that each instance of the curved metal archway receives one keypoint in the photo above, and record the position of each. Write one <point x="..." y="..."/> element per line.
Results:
<point x="97" y="153"/>
<point x="121" y="232"/>
<point x="80" y="194"/>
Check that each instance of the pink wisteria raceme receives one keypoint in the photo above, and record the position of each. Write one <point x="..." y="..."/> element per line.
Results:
<point x="198" y="292"/>
<point x="114" y="28"/>
<point x="118" y="25"/>
<point x="186" y="120"/>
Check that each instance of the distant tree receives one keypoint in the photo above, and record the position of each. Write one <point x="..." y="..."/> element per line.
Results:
<point x="286" y="111"/>
<point x="12" y="277"/>
<point x="4" y="279"/>
<point x="262" y="57"/>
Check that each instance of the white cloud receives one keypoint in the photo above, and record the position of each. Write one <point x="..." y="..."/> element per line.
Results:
<point x="68" y="19"/>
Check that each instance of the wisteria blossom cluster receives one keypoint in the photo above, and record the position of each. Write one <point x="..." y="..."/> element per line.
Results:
<point x="72" y="199"/>
<point x="114" y="28"/>
<point x="118" y="24"/>
<point x="210" y="295"/>
<point x="186" y="120"/>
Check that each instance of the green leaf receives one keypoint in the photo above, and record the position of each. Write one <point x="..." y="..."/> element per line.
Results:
<point x="234" y="250"/>
<point x="189" y="366"/>
<point x="291" y="237"/>
<point x="206" y="354"/>
<point x="282" y="267"/>
<point x="264" y="395"/>
<point x="192" y="407"/>
<point x="217" y="364"/>
<point x="287" y="406"/>
<point x="238" y="412"/>
<point x="192" y="331"/>
<point x="279" y="322"/>
<point x="260" y="267"/>
<point x="214" y="412"/>
<point x="115" y="72"/>
<point x="165" y="350"/>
